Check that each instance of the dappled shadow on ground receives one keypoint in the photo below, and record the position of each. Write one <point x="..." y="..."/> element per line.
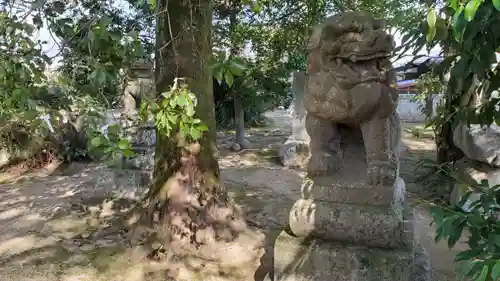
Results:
<point x="61" y="227"/>
<point x="59" y="224"/>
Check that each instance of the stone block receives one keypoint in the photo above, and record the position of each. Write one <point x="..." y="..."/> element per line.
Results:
<point x="363" y="225"/>
<point x="294" y="153"/>
<point x="145" y="136"/>
<point x="297" y="258"/>
<point x="351" y="211"/>
<point x="124" y="183"/>
<point x="353" y="190"/>
<point x="469" y="174"/>
<point x="144" y="159"/>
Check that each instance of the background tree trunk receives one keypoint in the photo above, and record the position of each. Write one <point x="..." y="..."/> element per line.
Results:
<point x="239" y="111"/>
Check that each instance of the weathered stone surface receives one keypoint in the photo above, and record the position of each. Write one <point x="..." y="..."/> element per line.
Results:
<point x="361" y="225"/>
<point x="124" y="183"/>
<point x="4" y="157"/>
<point x="353" y="190"/>
<point x="343" y="92"/>
<point x="480" y="143"/>
<point x="351" y="222"/>
<point x="295" y="151"/>
<point x="299" y="258"/>
<point x="139" y="85"/>
<point x="144" y="136"/>
<point x="299" y="112"/>
<point x="135" y="174"/>
<point x="469" y="174"/>
<point x="142" y="160"/>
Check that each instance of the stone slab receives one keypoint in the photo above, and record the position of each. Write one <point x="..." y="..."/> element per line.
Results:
<point x="124" y="183"/>
<point x="318" y="260"/>
<point x="357" y="224"/>
<point x="353" y="191"/>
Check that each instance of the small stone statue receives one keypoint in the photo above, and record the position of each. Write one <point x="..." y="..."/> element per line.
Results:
<point x="351" y="88"/>
<point x="138" y="84"/>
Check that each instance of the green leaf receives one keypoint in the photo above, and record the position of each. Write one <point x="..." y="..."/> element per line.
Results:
<point x="237" y="67"/>
<point x="152" y="4"/>
<point x="194" y="133"/>
<point x="431" y="18"/>
<point x="256" y="8"/>
<point x="469" y="267"/>
<point x="495" y="239"/>
<point x="114" y="129"/>
<point x="202" y="127"/>
<point x="454" y="4"/>
<point x="123" y="144"/>
<point x="431" y="33"/>
<point x="466" y="255"/>
<point x="484" y="274"/>
<point x="181" y="100"/>
<point x="218" y="76"/>
<point x="496" y="4"/>
<point x="95" y="142"/>
<point x="98" y="76"/>
<point x="495" y="272"/>
<point x="153" y="107"/>
<point x="127" y="153"/>
<point x="471" y="9"/>
<point x="458" y="24"/>
<point x="173" y="118"/>
<point x="228" y="77"/>
<point x="456" y="232"/>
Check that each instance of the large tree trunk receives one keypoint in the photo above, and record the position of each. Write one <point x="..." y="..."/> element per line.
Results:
<point x="194" y="219"/>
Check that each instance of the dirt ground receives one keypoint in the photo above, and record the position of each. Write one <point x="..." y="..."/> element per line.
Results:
<point x="54" y="225"/>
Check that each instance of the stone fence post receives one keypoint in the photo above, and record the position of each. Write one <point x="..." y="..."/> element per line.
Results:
<point x="295" y="151"/>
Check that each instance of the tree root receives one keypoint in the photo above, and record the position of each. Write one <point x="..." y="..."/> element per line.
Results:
<point x="194" y="227"/>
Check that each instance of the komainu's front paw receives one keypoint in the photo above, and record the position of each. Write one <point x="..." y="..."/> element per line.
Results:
<point x="381" y="173"/>
<point x="322" y="164"/>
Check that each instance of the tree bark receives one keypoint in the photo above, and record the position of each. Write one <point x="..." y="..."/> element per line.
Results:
<point x="239" y="112"/>
<point x="188" y="208"/>
<point x="184" y="48"/>
<point x="447" y="151"/>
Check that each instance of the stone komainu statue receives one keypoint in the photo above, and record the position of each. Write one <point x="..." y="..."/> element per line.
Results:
<point x="351" y="88"/>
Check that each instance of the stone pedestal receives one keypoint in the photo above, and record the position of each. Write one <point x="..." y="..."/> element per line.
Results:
<point x="131" y="179"/>
<point x="298" y="258"/>
<point x="341" y="228"/>
<point x="335" y="233"/>
<point x="295" y="151"/>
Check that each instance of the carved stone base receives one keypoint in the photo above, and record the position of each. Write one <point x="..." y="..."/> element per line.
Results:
<point x="124" y="183"/>
<point x="352" y="212"/>
<point x="301" y="259"/>
<point x="294" y="153"/>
